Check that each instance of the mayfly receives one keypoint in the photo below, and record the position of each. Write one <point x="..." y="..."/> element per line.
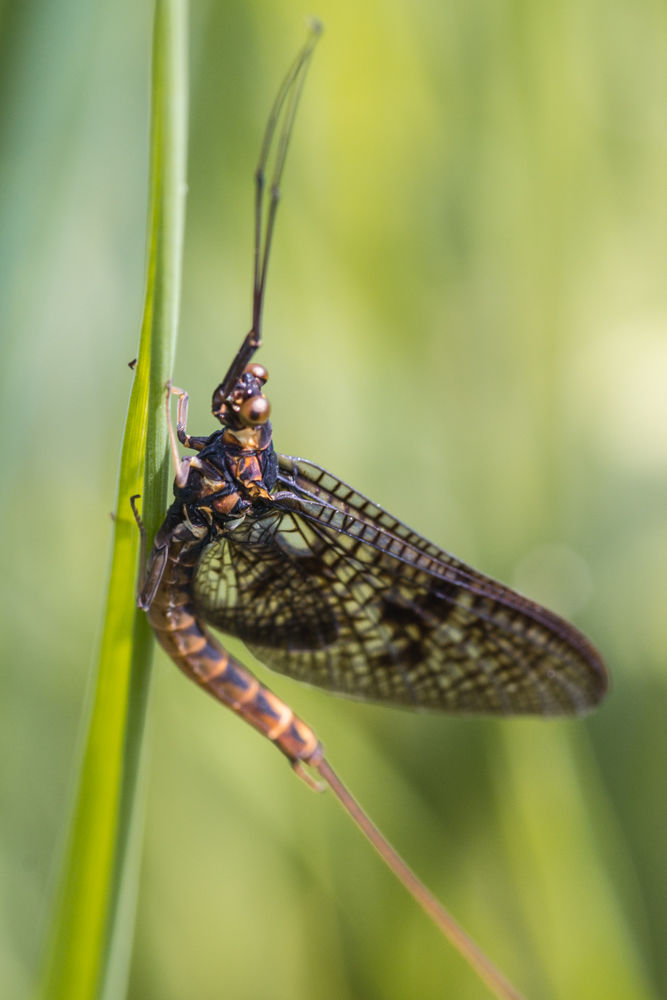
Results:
<point x="320" y="582"/>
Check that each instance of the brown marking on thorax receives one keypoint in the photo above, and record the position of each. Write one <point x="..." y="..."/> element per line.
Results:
<point x="245" y="468"/>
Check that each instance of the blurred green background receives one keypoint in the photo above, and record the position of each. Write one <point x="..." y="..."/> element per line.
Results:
<point x="466" y="319"/>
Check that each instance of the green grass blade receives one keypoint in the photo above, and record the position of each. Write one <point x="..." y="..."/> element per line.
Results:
<point x="88" y="944"/>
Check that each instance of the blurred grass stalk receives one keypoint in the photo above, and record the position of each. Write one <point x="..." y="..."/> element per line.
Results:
<point x="89" y="939"/>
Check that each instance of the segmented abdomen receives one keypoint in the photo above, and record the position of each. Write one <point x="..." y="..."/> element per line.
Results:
<point x="198" y="654"/>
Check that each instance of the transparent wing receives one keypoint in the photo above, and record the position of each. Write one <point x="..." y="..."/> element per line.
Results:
<point x="328" y="588"/>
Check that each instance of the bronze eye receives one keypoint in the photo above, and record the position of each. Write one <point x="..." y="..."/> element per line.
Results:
<point x="259" y="371"/>
<point x="255" y="411"/>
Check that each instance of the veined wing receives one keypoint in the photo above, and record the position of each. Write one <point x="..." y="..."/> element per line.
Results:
<point x="329" y="588"/>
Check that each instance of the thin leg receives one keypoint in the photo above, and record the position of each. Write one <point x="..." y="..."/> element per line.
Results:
<point x="182" y="415"/>
<point x="142" y="534"/>
<point x="181" y="465"/>
<point x="196" y="443"/>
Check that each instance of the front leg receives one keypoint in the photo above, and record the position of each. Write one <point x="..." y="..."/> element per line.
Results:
<point x="181" y="465"/>
<point x="197" y="443"/>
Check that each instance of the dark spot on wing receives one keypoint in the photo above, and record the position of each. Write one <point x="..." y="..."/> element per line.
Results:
<point x="440" y="600"/>
<point x="413" y="654"/>
<point x="424" y="609"/>
<point x="396" y="611"/>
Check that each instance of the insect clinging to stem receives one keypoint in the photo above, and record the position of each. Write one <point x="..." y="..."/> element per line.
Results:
<point x="319" y="581"/>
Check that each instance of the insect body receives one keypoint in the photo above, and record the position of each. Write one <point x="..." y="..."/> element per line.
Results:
<point x="223" y="493"/>
<point x="324" y="585"/>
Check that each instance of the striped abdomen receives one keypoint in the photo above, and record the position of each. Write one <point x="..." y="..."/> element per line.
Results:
<point x="191" y="646"/>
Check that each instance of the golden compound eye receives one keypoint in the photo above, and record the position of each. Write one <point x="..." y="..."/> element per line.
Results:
<point x="255" y="411"/>
<point x="259" y="371"/>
